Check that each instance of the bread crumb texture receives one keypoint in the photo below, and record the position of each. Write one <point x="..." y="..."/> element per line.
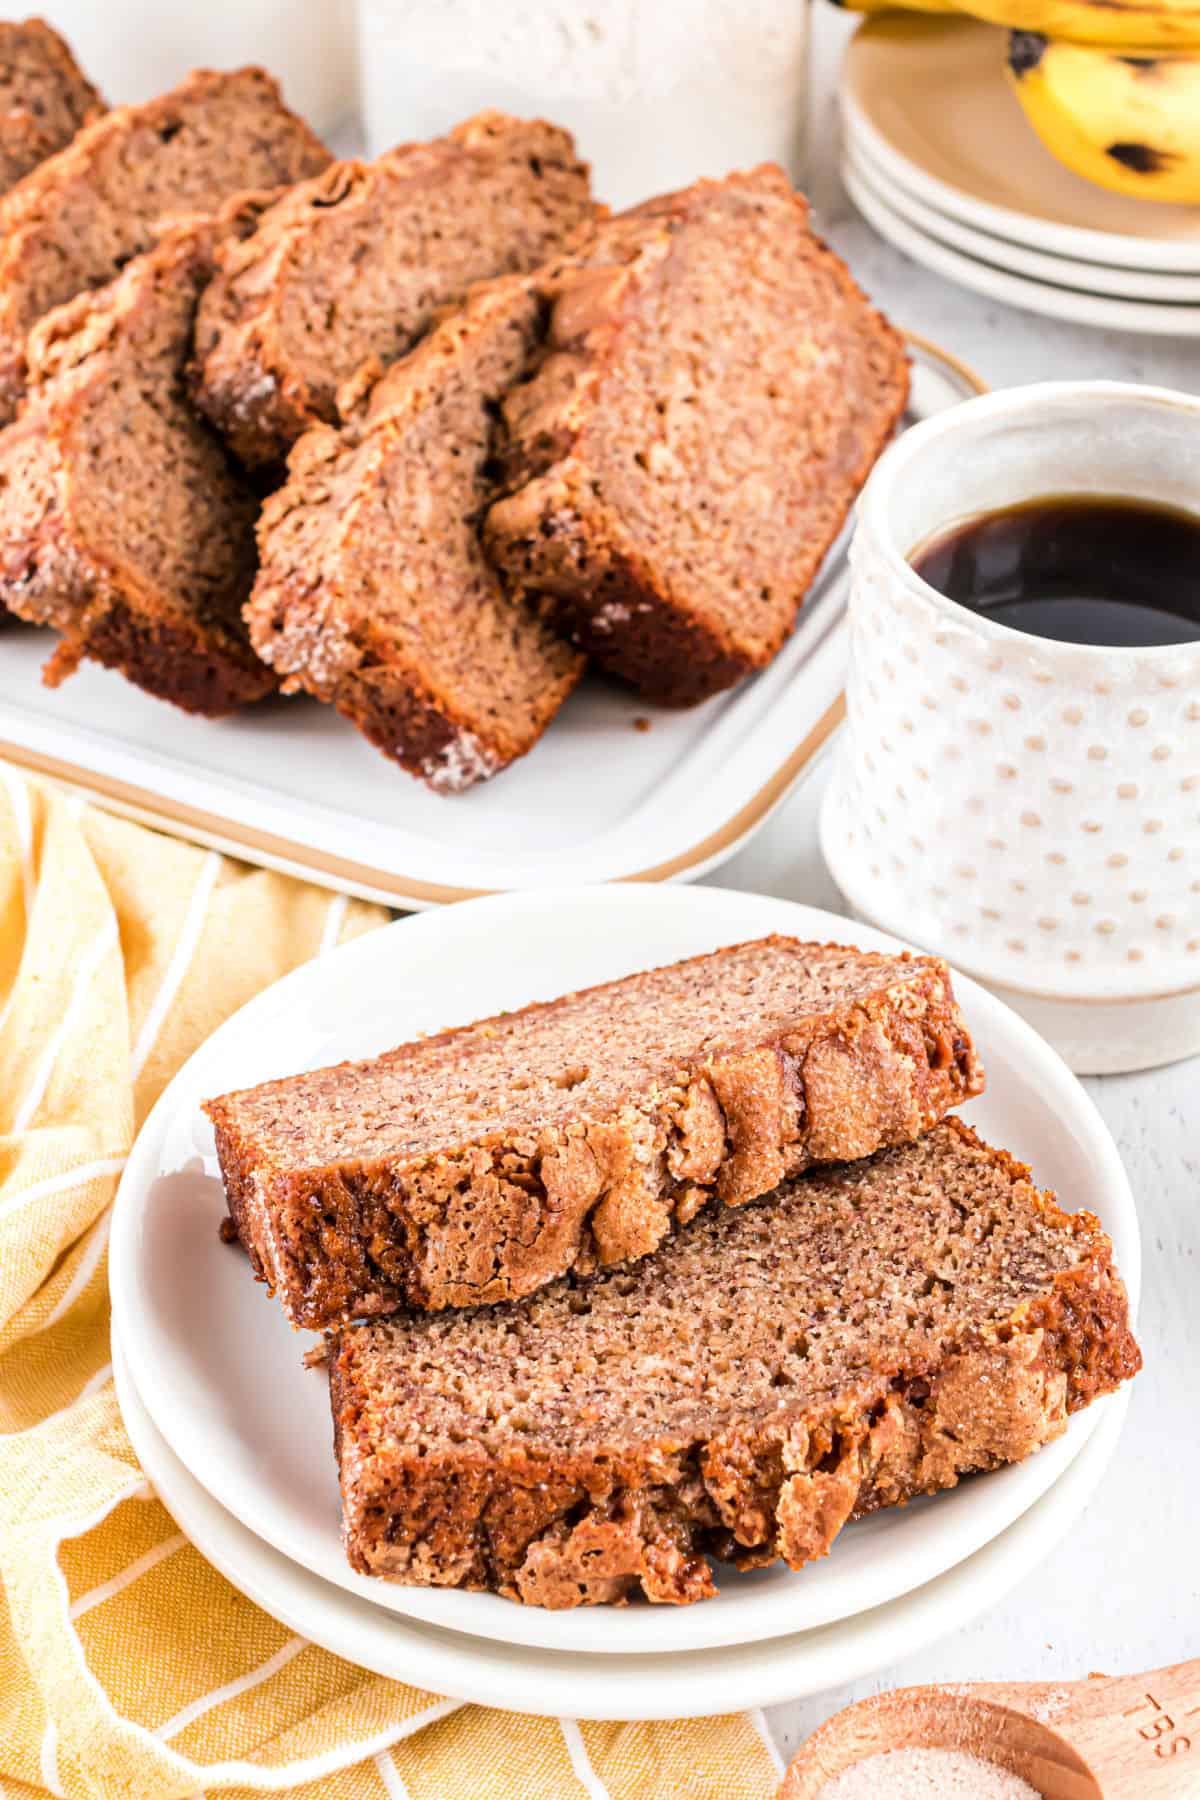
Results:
<point x="373" y="592"/>
<point x="348" y="270"/>
<point x="927" y="1774"/>
<point x="866" y="1334"/>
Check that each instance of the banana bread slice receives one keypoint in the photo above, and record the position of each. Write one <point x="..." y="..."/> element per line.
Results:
<point x="81" y="215"/>
<point x="44" y="97"/>
<point x="349" y="269"/>
<point x="479" y="1164"/>
<point x="713" y="393"/>
<point x="868" y="1333"/>
<point x="123" y="522"/>
<point x="373" y="591"/>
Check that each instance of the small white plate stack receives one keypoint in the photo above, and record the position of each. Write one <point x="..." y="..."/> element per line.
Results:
<point x="939" y="158"/>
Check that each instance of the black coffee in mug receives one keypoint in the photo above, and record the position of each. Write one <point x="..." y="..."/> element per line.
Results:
<point x="1080" y="569"/>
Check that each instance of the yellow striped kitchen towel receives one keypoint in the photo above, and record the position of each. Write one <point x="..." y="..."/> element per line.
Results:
<point x="129" y="1668"/>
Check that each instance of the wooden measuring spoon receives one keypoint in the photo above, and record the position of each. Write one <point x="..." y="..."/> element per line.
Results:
<point x="1129" y="1737"/>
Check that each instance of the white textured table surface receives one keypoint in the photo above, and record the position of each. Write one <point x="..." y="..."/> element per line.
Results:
<point x="1123" y="1593"/>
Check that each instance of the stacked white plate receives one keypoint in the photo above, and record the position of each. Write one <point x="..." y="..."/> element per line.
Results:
<point x="938" y="157"/>
<point x="234" y="1430"/>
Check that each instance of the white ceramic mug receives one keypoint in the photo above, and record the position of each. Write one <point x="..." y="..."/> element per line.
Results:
<point x="1031" y="809"/>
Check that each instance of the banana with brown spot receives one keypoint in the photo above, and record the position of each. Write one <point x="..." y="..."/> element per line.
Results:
<point x="1127" y="122"/>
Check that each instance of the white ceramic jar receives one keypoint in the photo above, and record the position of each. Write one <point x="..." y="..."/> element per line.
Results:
<point x="1031" y="809"/>
<point x="656" y="92"/>
<point x="134" y="49"/>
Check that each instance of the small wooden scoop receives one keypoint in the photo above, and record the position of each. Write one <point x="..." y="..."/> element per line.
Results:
<point x="1129" y="1737"/>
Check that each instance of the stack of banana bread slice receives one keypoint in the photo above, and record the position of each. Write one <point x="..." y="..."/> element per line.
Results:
<point x="347" y="271"/>
<point x="690" y="1267"/>
<point x="645" y="448"/>
<point x="419" y="437"/>
<point x="169" y="329"/>
<point x="81" y="215"/>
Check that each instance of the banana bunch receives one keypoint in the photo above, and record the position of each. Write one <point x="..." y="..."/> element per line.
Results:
<point x="1112" y="87"/>
<point x="1129" y="122"/>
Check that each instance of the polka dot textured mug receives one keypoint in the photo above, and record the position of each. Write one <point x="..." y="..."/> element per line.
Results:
<point x="1029" y="808"/>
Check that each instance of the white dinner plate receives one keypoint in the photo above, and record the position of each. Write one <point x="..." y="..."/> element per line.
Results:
<point x="1154" y="318"/>
<point x="1038" y="265"/>
<point x="679" y="1686"/>
<point x="927" y="95"/>
<point x="220" y="1370"/>
<point x="616" y="790"/>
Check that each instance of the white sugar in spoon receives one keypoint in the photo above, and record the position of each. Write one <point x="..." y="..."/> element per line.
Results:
<point x="1129" y="1737"/>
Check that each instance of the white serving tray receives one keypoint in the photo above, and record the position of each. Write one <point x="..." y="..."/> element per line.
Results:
<point x="290" y="785"/>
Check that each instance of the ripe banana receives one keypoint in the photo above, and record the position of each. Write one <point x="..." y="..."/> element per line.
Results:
<point x="1128" y="122"/>
<point x="1144" y="24"/>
